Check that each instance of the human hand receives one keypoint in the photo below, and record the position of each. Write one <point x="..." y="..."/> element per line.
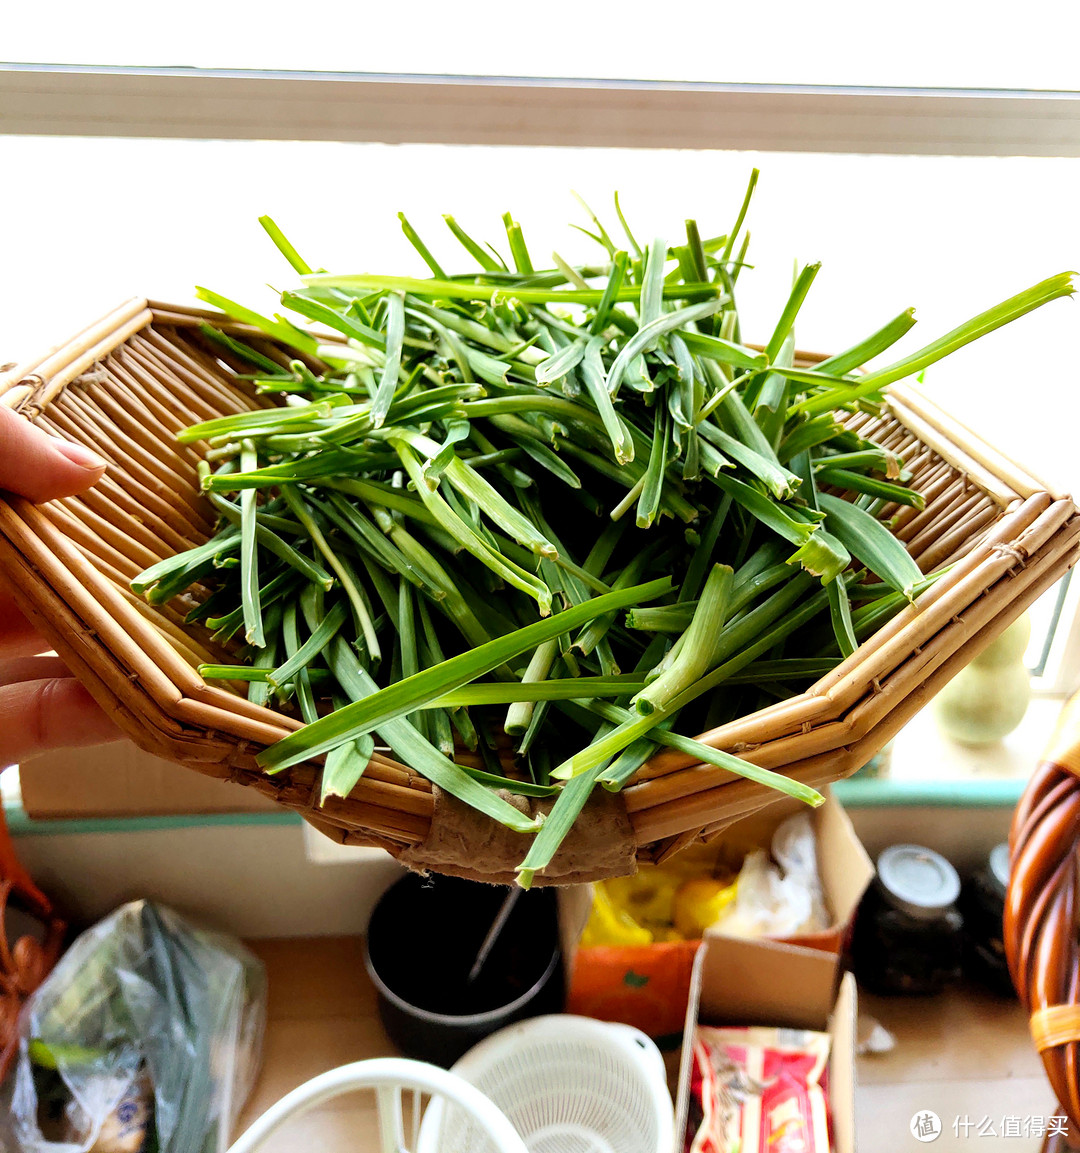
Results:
<point x="41" y="705"/>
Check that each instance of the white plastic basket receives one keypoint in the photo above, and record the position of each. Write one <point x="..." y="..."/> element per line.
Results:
<point x="390" y="1078"/>
<point x="568" y="1085"/>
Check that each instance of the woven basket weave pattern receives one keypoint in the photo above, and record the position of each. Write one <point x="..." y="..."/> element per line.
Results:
<point x="1040" y="917"/>
<point x="128" y="385"/>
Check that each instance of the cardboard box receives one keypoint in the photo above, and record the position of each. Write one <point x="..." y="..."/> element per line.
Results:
<point x="647" y="986"/>
<point x="843" y="864"/>
<point x="120" y="780"/>
<point x="739" y="983"/>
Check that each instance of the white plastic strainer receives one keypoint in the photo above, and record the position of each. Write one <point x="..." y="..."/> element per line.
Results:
<point x="568" y="1085"/>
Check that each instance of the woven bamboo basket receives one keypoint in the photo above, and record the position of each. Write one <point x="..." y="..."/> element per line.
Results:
<point x="126" y="385"/>
<point x="1041" y="911"/>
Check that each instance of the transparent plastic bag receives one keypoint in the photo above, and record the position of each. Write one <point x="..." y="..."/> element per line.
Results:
<point x="794" y="848"/>
<point x="146" y="1038"/>
<point x="782" y="900"/>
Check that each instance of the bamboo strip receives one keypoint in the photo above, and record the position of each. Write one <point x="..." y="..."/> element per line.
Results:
<point x="125" y="452"/>
<point x="81" y="650"/>
<point x="126" y="407"/>
<point x="715" y="830"/>
<point x="362" y="840"/>
<point x="373" y="792"/>
<point x="145" y="526"/>
<point x="957" y="456"/>
<point x="57" y="381"/>
<point x="93" y="557"/>
<point x="96" y="602"/>
<point x="188" y="347"/>
<point x="205" y="382"/>
<point x="60" y="355"/>
<point x="962" y="506"/>
<point x="176" y="391"/>
<point x="953" y="544"/>
<point x="200" y="347"/>
<point x="16" y="396"/>
<point x="218" y="368"/>
<point x="920" y="461"/>
<point x="161" y="468"/>
<point x="929" y="484"/>
<point x="176" y="614"/>
<point x="186" y="645"/>
<point x="1008" y="471"/>
<point x="124" y="551"/>
<point x="170" y="417"/>
<point x="180" y="316"/>
<point x="403" y="830"/>
<point x="675" y="845"/>
<point x="380" y="768"/>
<point x="723" y="803"/>
<point x="137" y="501"/>
<point x="228" y="721"/>
<point x="198" y="344"/>
<point x="913" y="627"/>
<point x="295" y="785"/>
<point x="227" y="704"/>
<point x="945" y="494"/>
<point x="1005" y="531"/>
<point x="215" y="358"/>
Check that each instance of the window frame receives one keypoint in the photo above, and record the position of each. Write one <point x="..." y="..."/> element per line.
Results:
<point x="74" y="100"/>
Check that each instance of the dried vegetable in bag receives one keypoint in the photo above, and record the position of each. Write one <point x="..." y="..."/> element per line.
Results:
<point x="145" y="1039"/>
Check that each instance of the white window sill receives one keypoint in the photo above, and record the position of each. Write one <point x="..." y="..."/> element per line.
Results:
<point x="921" y="752"/>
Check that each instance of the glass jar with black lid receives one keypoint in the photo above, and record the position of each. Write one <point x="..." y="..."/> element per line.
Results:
<point x="908" y="933"/>
<point x="983" y="908"/>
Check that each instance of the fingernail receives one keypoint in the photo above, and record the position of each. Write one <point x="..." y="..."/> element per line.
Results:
<point x="81" y="455"/>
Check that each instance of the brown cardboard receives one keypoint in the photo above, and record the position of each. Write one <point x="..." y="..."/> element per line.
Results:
<point x="765" y="983"/>
<point x="647" y="985"/>
<point x="735" y="984"/>
<point x="119" y="780"/>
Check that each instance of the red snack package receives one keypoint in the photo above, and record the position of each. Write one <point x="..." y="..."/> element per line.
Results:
<point x="758" y="1090"/>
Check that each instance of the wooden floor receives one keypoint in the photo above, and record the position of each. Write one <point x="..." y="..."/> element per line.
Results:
<point x="963" y="1055"/>
<point x="321" y="1013"/>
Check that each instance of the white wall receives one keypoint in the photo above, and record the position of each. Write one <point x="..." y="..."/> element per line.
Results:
<point x="251" y="880"/>
<point x="257" y="880"/>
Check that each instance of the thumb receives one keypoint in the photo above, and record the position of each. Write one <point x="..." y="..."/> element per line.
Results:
<point x="41" y="467"/>
<point x="57" y="713"/>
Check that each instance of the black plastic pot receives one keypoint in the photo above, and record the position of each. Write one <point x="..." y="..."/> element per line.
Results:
<point x="423" y="937"/>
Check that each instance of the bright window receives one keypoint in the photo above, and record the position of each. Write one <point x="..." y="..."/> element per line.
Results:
<point x="921" y="44"/>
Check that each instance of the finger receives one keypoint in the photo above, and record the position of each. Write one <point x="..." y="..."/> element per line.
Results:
<point x="41" y="467"/>
<point x="18" y="638"/>
<point x="40" y="668"/>
<point x="53" y="714"/>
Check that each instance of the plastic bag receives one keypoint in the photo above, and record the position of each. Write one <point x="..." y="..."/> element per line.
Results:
<point x="633" y="965"/>
<point x="794" y="848"/>
<point x="146" y="1038"/>
<point x="758" y="1090"/>
<point x="783" y="901"/>
<point x="674" y="901"/>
